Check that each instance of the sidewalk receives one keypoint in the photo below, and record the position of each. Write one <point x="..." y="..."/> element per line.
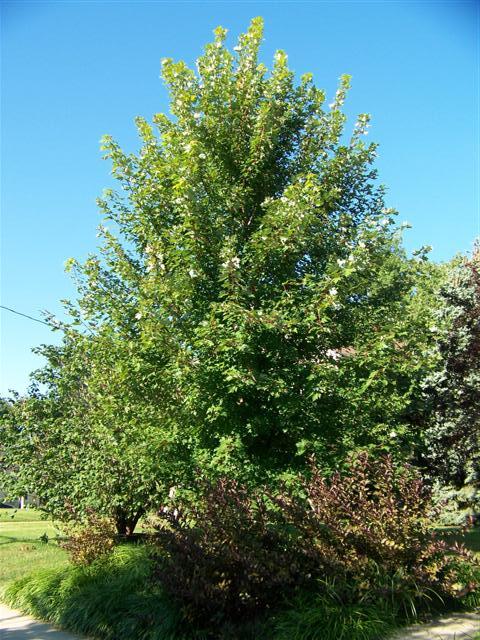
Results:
<point x="16" y="626"/>
<point x="462" y="626"/>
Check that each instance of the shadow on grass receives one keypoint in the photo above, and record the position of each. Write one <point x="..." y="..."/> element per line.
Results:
<point x="470" y="538"/>
<point x="33" y="541"/>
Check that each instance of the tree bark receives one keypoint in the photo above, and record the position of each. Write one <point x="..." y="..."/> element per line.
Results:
<point x="125" y="522"/>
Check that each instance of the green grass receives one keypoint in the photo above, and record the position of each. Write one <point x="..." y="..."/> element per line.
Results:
<point x="20" y="515"/>
<point x="21" y="547"/>
<point x="326" y="618"/>
<point x="472" y="540"/>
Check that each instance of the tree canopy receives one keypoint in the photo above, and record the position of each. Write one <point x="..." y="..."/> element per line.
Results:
<point x="251" y="303"/>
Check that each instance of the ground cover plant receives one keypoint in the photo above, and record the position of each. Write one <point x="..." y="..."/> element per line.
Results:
<point x="110" y="599"/>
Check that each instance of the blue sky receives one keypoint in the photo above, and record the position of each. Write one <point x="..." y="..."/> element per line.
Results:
<point x="73" y="71"/>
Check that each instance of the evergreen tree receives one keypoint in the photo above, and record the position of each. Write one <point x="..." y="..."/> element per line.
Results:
<point x="453" y="389"/>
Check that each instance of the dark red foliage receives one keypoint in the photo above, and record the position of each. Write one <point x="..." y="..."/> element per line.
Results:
<point x="371" y="530"/>
<point x="226" y="556"/>
<point x="235" y="553"/>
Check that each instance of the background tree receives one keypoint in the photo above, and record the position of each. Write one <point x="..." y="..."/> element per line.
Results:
<point x="82" y="440"/>
<point x="453" y="389"/>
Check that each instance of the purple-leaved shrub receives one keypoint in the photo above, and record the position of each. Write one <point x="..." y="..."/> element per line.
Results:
<point x="366" y="532"/>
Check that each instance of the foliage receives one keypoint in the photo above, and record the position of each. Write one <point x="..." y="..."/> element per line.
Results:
<point x="324" y="617"/>
<point x="456" y="505"/>
<point x="372" y="530"/>
<point x="453" y="389"/>
<point x="268" y="253"/>
<point x="251" y="304"/>
<point x="367" y="531"/>
<point x="232" y="563"/>
<point x="79" y="441"/>
<point x="90" y="540"/>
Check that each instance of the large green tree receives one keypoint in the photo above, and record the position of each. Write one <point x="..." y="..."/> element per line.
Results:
<point x="251" y="304"/>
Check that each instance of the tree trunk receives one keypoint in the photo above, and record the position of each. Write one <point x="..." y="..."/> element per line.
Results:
<point x="125" y="523"/>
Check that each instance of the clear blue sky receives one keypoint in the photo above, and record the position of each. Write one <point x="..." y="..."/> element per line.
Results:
<point x="72" y="71"/>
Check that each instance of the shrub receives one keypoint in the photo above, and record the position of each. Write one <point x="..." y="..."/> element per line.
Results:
<point x="370" y="528"/>
<point x="234" y="553"/>
<point x="89" y="540"/>
<point x="225" y="557"/>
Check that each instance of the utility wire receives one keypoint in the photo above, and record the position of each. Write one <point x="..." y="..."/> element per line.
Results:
<point x="19" y="313"/>
<point x="25" y="315"/>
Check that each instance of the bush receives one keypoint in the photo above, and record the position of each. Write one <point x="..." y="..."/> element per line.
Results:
<point x="225" y="557"/>
<point x="370" y="529"/>
<point x="234" y="553"/>
<point x="90" y="540"/>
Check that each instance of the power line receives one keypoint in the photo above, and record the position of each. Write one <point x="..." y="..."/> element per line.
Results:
<point x="19" y="313"/>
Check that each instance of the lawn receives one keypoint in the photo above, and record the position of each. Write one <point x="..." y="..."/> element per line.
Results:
<point x="472" y="540"/>
<point x="26" y="543"/>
